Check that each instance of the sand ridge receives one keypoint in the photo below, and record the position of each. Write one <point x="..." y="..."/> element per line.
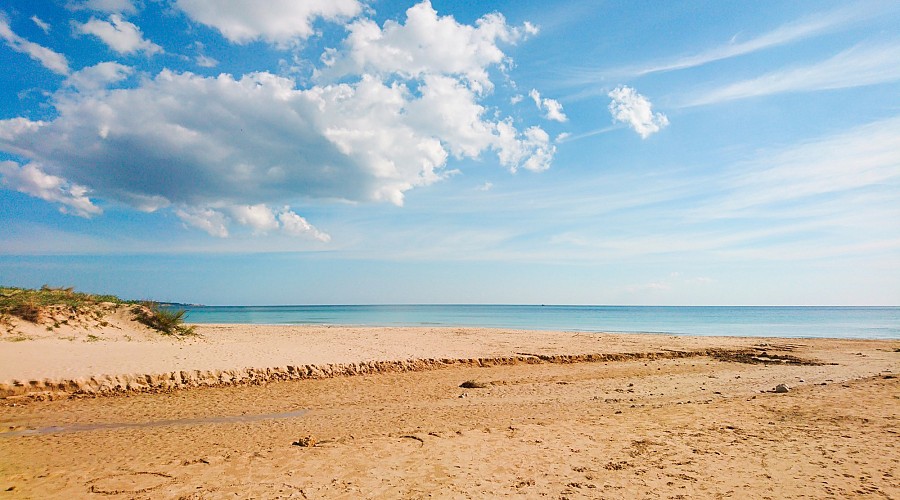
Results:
<point x="109" y="385"/>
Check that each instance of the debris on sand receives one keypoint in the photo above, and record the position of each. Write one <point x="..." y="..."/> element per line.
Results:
<point x="305" y="442"/>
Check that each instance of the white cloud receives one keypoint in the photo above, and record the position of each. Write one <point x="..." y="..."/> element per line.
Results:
<point x="856" y="67"/>
<point x="794" y="31"/>
<point x="119" y="34"/>
<point x="426" y="44"/>
<point x="51" y="60"/>
<point x="567" y="137"/>
<point x="534" y="152"/>
<point x="14" y="127"/>
<point x="206" y="61"/>
<point x="635" y="110"/>
<point x="784" y="34"/>
<point x="552" y="107"/>
<point x="212" y="221"/>
<point x="31" y="180"/>
<point x="40" y="24"/>
<point x="280" y="22"/>
<point x="107" y="6"/>
<point x="98" y="76"/>
<point x="259" y="217"/>
<point x="487" y="186"/>
<point x="864" y="157"/>
<point x="295" y="225"/>
<point x="222" y="150"/>
<point x="196" y="141"/>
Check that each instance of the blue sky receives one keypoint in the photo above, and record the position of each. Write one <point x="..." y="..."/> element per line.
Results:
<point x="345" y="151"/>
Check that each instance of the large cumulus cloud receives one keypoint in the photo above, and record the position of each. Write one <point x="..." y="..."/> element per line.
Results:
<point x="225" y="150"/>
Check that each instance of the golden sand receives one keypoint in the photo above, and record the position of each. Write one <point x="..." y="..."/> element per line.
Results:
<point x="317" y="412"/>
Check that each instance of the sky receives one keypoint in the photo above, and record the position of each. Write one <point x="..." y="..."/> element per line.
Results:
<point x="235" y="152"/>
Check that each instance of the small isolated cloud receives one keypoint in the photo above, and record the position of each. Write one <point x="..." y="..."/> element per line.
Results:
<point x="280" y="22"/>
<point x="119" y="34"/>
<point x="551" y="107"/>
<point x="107" y="6"/>
<point x="31" y="180"/>
<point x="51" y="60"/>
<point x="635" y="110"/>
<point x="206" y="61"/>
<point x="40" y="24"/>
<point x="487" y="186"/>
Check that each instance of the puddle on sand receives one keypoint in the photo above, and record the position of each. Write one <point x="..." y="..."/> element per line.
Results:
<point x="65" y="429"/>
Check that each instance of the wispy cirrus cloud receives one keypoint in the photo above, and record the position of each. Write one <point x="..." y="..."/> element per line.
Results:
<point x="50" y="59"/>
<point x="782" y="35"/>
<point x="791" y="32"/>
<point x="862" y="158"/>
<point x="833" y="196"/>
<point x="108" y="6"/>
<point x="40" y="24"/>
<point x="858" y="66"/>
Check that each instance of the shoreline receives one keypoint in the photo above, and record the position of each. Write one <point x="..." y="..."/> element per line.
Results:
<point x="868" y="322"/>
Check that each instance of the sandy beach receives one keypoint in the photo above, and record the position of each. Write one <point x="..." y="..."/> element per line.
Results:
<point x="322" y="412"/>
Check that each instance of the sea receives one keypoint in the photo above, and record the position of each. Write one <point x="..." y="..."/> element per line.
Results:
<point x="744" y="321"/>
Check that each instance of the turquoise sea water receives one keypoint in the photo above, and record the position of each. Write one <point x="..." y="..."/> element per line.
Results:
<point x="836" y="322"/>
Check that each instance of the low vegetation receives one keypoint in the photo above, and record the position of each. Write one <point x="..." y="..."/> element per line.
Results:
<point x="45" y="305"/>
<point x="166" y="321"/>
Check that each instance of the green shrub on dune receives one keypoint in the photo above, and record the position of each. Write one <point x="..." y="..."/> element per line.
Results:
<point x="166" y="321"/>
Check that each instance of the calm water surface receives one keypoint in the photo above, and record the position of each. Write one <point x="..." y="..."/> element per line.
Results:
<point x="840" y="322"/>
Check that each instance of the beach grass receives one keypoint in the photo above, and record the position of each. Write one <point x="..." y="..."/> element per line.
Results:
<point x="30" y="304"/>
<point x="166" y="321"/>
<point x="34" y="306"/>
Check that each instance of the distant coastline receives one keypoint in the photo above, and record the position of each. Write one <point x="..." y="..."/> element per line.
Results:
<point x="858" y="322"/>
